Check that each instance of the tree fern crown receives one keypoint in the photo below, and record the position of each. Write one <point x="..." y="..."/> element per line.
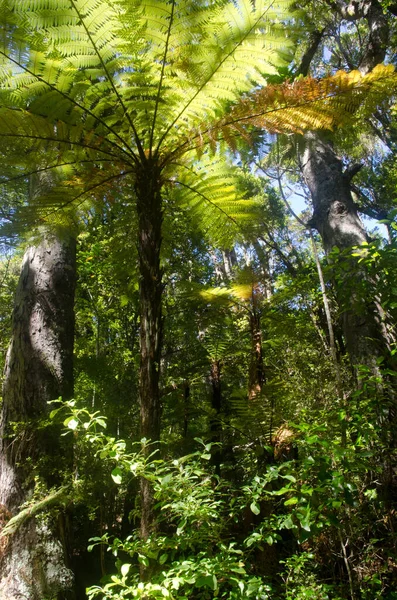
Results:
<point x="102" y="86"/>
<point x="92" y="91"/>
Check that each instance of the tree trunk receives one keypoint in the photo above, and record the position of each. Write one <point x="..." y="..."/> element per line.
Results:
<point x="150" y="218"/>
<point x="186" y="407"/>
<point x="334" y="213"/>
<point x="39" y="368"/>
<point x="229" y="262"/>
<point x="215" y="423"/>
<point x="335" y="218"/>
<point x="256" y="376"/>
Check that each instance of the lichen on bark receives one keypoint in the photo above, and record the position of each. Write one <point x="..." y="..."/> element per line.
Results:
<point x="38" y="369"/>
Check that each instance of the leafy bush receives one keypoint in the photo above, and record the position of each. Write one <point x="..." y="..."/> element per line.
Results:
<point x="210" y="533"/>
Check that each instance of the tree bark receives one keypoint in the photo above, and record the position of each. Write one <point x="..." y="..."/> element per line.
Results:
<point x="229" y="262"/>
<point x="335" y="218"/>
<point x="334" y="213"/>
<point x="150" y="218"/>
<point x="39" y="368"/>
<point x="256" y="375"/>
<point x="215" y="423"/>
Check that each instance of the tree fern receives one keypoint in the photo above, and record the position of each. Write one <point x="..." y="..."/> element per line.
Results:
<point x="252" y="413"/>
<point x="128" y="80"/>
<point x="131" y="80"/>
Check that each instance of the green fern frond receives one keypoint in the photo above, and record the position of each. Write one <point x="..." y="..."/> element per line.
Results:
<point x="230" y="59"/>
<point x="195" y="57"/>
<point x="216" y="344"/>
<point x="216" y="296"/>
<point x="209" y="192"/>
<point x="255" y="416"/>
<point x="234" y="295"/>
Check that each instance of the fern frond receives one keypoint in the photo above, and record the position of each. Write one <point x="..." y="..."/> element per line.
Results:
<point x="234" y="295"/>
<point x="243" y="291"/>
<point x="124" y="80"/>
<point x="68" y="193"/>
<point x="228" y="60"/>
<point x="195" y="57"/>
<point x="216" y="296"/>
<point x="19" y="124"/>
<point x="208" y="191"/>
<point x="311" y="103"/>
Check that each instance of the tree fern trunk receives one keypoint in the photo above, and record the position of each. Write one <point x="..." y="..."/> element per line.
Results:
<point x="150" y="217"/>
<point x="39" y="368"/>
<point x="215" y="422"/>
<point x="256" y="375"/>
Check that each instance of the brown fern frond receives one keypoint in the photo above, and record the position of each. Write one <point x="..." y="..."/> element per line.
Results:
<point x="309" y="103"/>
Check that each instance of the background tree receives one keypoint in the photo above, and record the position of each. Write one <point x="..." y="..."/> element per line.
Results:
<point x="335" y="213"/>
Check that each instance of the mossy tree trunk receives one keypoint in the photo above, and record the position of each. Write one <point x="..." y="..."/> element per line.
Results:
<point x="39" y="368"/>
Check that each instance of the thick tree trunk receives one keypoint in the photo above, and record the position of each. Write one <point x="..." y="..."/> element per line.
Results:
<point x="335" y="218"/>
<point x="150" y="217"/>
<point x="39" y="368"/>
<point x="334" y="213"/>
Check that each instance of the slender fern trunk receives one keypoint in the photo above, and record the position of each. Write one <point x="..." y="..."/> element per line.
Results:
<point x="215" y="423"/>
<point x="150" y="218"/>
<point x="186" y="408"/>
<point x="39" y="368"/>
<point x="256" y="375"/>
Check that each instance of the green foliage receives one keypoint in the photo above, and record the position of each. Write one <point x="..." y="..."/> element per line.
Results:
<point x="367" y="274"/>
<point x="301" y="582"/>
<point x="210" y="532"/>
<point x="9" y="266"/>
<point x="94" y="94"/>
<point x="106" y="346"/>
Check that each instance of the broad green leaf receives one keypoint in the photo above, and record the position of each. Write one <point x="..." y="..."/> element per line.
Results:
<point x="117" y="475"/>
<point x="291" y="501"/>
<point x="255" y="508"/>
<point x="71" y="423"/>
